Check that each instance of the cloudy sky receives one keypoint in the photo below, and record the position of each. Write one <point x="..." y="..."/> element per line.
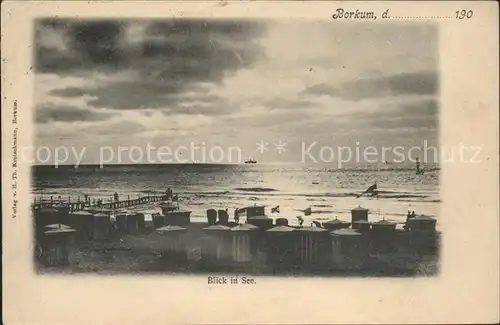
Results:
<point x="234" y="83"/>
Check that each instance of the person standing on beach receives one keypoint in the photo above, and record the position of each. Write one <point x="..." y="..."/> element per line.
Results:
<point x="316" y="224"/>
<point x="114" y="226"/>
<point x="408" y="216"/>
<point x="236" y="216"/>
<point x="301" y="220"/>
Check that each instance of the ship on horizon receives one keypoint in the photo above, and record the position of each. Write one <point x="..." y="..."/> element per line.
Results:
<point x="250" y="161"/>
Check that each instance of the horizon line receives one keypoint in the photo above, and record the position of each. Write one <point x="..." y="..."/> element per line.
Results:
<point x="214" y="163"/>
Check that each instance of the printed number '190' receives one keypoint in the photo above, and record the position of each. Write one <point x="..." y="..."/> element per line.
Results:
<point x="462" y="14"/>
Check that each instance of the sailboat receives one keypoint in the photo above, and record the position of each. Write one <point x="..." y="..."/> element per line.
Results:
<point x="419" y="171"/>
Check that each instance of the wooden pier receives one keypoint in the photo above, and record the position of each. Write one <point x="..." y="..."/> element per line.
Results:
<point x="77" y="205"/>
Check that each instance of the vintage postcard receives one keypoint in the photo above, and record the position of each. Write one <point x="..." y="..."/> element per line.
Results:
<point x="250" y="162"/>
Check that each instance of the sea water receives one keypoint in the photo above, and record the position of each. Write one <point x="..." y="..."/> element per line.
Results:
<point x="329" y="192"/>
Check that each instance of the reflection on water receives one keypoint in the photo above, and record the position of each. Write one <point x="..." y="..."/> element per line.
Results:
<point x="328" y="191"/>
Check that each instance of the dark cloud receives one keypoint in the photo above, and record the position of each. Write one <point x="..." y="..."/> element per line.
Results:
<point x="57" y="113"/>
<point x="320" y="89"/>
<point x="166" y="59"/>
<point x="427" y="107"/>
<point x="125" y="94"/>
<point x="276" y="120"/>
<point x="149" y="95"/>
<point x="69" y="92"/>
<point x="83" y="45"/>
<point x="191" y="26"/>
<point x="281" y="103"/>
<point x="97" y="42"/>
<point x="201" y="109"/>
<point x="120" y="128"/>
<point x="416" y="83"/>
<point x="421" y="114"/>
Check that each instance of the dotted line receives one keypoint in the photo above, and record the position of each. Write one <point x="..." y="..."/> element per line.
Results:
<point x="421" y="18"/>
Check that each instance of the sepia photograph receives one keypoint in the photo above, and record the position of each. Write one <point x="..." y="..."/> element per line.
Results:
<point x="259" y="146"/>
<point x="250" y="162"/>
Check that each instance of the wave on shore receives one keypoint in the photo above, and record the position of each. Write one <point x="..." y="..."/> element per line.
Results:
<point x="253" y="192"/>
<point x="256" y="189"/>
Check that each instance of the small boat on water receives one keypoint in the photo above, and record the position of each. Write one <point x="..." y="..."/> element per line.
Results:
<point x="250" y="161"/>
<point x="419" y="171"/>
